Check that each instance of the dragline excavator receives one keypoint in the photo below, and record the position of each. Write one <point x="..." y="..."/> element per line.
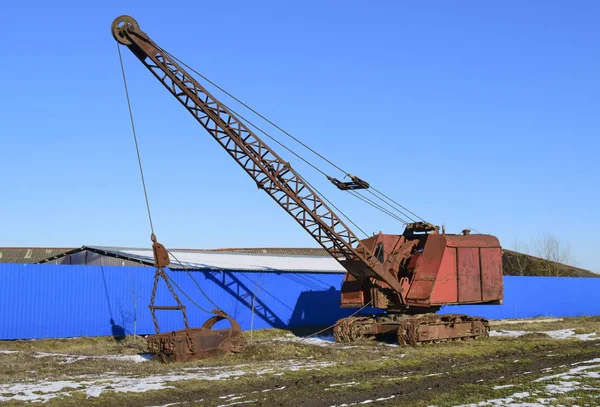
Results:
<point x="409" y="275"/>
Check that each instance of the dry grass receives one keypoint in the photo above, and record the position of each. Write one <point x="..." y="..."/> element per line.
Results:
<point x="373" y="365"/>
<point x="91" y="346"/>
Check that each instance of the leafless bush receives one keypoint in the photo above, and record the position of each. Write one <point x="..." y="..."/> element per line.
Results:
<point x="519" y="262"/>
<point x="556" y="256"/>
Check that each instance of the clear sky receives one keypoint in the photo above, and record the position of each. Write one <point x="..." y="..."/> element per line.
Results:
<point x="472" y="114"/>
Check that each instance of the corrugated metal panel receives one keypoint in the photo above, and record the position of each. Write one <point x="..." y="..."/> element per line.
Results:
<point x="88" y="258"/>
<point x="28" y="255"/>
<point x="38" y="301"/>
<point x="528" y="297"/>
<point x="279" y="251"/>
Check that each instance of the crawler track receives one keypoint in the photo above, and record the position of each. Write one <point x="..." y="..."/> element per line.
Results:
<point x="412" y="330"/>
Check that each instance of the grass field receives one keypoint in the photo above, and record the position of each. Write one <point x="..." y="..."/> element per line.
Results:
<point x="533" y="364"/>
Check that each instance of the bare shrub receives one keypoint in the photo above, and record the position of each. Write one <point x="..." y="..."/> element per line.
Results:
<point x="556" y="256"/>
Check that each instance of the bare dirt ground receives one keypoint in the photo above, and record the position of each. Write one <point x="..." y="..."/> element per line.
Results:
<point x="534" y="364"/>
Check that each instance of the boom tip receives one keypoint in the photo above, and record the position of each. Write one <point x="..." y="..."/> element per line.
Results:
<point x="122" y="27"/>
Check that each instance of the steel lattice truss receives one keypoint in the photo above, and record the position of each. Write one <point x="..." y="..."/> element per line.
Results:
<point x="269" y="171"/>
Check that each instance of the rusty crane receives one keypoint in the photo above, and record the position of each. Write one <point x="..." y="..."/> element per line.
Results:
<point x="409" y="275"/>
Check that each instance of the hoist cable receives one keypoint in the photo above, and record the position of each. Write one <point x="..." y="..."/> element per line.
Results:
<point x="376" y="206"/>
<point x="387" y="197"/>
<point x="250" y="108"/>
<point x="275" y="140"/>
<point x="283" y="131"/>
<point x="404" y="215"/>
<point x="373" y="204"/>
<point x="137" y="149"/>
<point x="335" y="207"/>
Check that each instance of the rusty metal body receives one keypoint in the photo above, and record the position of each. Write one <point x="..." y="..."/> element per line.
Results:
<point x="206" y="342"/>
<point x="432" y="269"/>
<point x="413" y="273"/>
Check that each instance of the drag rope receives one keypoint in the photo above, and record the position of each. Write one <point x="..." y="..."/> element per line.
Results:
<point x="137" y="149"/>
<point x="147" y="200"/>
<point x="195" y="282"/>
<point x="337" y="323"/>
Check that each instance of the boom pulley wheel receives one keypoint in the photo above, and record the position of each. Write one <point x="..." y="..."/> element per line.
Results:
<point x="122" y="26"/>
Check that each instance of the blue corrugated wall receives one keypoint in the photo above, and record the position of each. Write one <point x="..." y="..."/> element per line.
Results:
<point x="39" y="301"/>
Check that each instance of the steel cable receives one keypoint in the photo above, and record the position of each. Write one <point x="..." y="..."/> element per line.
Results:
<point x="335" y="207"/>
<point x="337" y="323"/>
<point x="147" y="200"/>
<point x="194" y="280"/>
<point x="377" y="206"/>
<point x="287" y="134"/>
<point x="185" y="294"/>
<point x="137" y="149"/>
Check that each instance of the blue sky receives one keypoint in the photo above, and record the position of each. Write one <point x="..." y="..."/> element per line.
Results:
<point x="472" y="114"/>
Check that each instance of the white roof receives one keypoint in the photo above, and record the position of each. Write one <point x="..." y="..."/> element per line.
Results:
<point x="233" y="261"/>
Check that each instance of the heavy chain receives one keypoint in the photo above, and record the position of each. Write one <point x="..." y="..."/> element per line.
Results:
<point x="155" y="285"/>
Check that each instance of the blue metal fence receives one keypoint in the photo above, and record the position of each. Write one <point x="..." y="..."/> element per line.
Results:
<point x="39" y="301"/>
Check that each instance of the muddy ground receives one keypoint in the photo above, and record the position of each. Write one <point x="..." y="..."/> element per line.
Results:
<point x="559" y="367"/>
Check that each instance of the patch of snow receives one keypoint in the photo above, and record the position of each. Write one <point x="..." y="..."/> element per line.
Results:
<point x="9" y="351"/>
<point x="25" y="392"/>
<point x="507" y="401"/>
<point x="237" y="402"/>
<point x="506" y="386"/>
<point x="343" y="384"/>
<point x="570" y="333"/>
<point x="562" y="387"/>
<point x="69" y="358"/>
<point x="510" y="334"/>
<point x="570" y="373"/>
<point x="557" y="334"/>
<point x="597" y="360"/>
<point x="385" y="398"/>
<point x="177" y="403"/>
<point x="95" y="385"/>
<point x="369" y="401"/>
<point x="316" y="340"/>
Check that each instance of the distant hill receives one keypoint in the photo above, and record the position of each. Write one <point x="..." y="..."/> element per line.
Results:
<point x="520" y="264"/>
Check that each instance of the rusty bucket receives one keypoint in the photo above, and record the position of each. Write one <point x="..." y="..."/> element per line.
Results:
<point x="197" y="343"/>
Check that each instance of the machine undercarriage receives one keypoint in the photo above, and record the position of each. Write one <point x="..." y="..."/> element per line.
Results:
<point x="411" y="329"/>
